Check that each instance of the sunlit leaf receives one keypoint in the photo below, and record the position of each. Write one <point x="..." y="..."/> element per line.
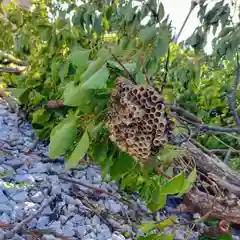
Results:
<point x="41" y="116"/>
<point x="174" y="185"/>
<point x="93" y="67"/>
<point x="188" y="183"/>
<point x="160" y="203"/>
<point x="79" y="57"/>
<point x="79" y="152"/>
<point x="167" y="222"/>
<point x="147" y="227"/>
<point x="75" y="96"/>
<point x="62" y="138"/>
<point x="98" y="80"/>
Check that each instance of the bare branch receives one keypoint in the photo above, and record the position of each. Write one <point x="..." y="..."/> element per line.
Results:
<point x="166" y="70"/>
<point x="11" y="59"/>
<point x="124" y="68"/>
<point x="193" y="5"/>
<point x="232" y="94"/>
<point x="11" y="70"/>
<point x="206" y="128"/>
<point x="175" y="40"/>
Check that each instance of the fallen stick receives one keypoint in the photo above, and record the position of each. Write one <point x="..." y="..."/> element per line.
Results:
<point x="20" y="225"/>
<point x="97" y="190"/>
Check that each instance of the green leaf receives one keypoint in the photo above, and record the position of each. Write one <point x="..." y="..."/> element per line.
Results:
<point x="128" y="180"/>
<point x="152" y="67"/>
<point x="174" y="185"/>
<point x="104" y="53"/>
<point x="41" y="116"/>
<point x="162" y="46"/>
<point x="93" y="67"/>
<point x="156" y="205"/>
<point x="188" y="183"/>
<point x="21" y="94"/>
<point x="140" y="79"/>
<point x="37" y="97"/>
<point x="161" y="12"/>
<point x="147" y="227"/>
<point x="64" y="70"/>
<point x="123" y="164"/>
<point x="166" y="222"/>
<point x="62" y="138"/>
<point x="96" y="130"/>
<point x="123" y="43"/>
<point x="79" y="57"/>
<point x="75" y="96"/>
<point x="97" y="80"/>
<point x="147" y="34"/>
<point x="79" y="152"/>
<point x="129" y="66"/>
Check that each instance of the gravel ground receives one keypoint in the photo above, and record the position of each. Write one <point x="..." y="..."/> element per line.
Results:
<point x="29" y="180"/>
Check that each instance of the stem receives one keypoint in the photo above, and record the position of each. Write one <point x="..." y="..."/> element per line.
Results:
<point x="193" y="5"/>
<point x="232" y="94"/>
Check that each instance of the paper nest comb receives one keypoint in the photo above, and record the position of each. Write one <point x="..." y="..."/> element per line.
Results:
<point x="137" y="119"/>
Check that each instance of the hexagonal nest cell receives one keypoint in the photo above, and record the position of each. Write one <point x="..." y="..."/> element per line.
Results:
<point x="137" y="119"/>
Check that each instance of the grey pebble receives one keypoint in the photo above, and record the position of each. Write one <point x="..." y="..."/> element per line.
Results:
<point x="32" y="223"/>
<point x="15" y="163"/>
<point x="5" y="208"/>
<point x="3" y="198"/>
<point x="56" y="226"/>
<point x="68" y="231"/>
<point x="42" y="222"/>
<point x="37" y="197"/>
<point x="17" y="213"/>
<point x="19" y="196"/>
<point x="81" y="231"/>
<point x="5" y="218"/>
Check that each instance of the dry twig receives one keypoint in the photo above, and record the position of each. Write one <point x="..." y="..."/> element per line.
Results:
<point x="20" y="225"/>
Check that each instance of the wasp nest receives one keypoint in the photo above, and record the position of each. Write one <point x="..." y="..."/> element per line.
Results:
<point x="137" y="119"/>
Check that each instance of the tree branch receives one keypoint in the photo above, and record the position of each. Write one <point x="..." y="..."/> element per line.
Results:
<point x="193" y="5"/>
<point x="166" y="71"/>
<point x="11" y="70"/>
<point x="124" y="68"/>
<point x="175" y="40"/>
<point x="11" y="59"/>
<point x="232" y="94"/>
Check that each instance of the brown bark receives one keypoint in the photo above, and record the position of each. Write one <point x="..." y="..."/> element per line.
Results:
<point x="207" y="205"/>
<point x="211" y="164"/>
